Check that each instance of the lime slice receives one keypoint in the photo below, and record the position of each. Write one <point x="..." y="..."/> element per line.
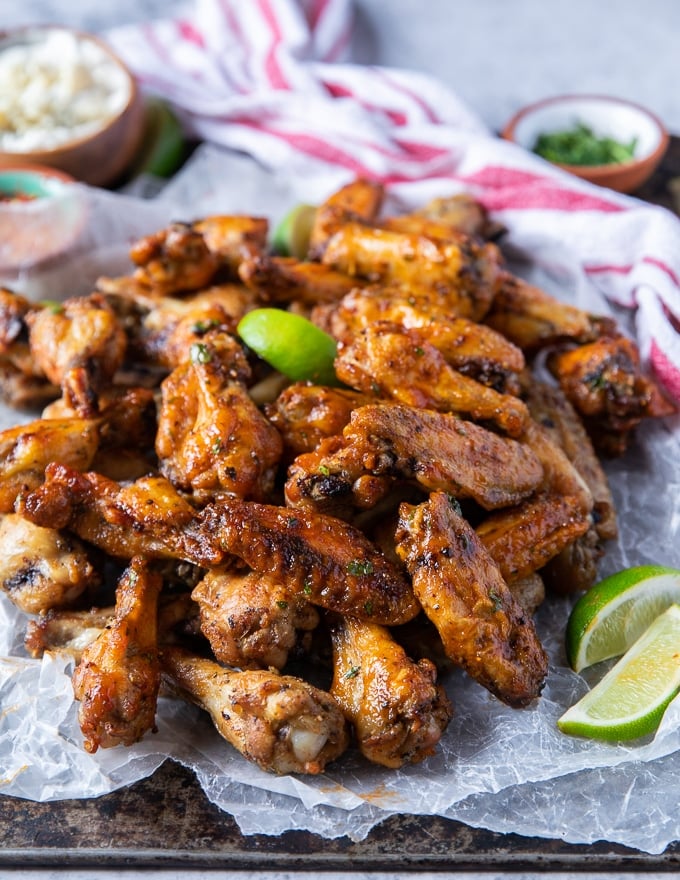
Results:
<point x="630" y="700"/>
<point x="291" y="344"/>
<point x="607" y="619"/>
<point x="291" y="236"/>
<point x="163" y="146"/>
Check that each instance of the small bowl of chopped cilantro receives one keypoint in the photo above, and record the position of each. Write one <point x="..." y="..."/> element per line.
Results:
<point x="606" y="140"/>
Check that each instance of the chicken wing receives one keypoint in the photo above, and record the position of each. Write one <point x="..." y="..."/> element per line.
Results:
<point x="463" y="213"/>
<point x="483" y="628"/>
<point x="118" y="677"/>
<point x="252" y="620"/>
<point x="26" y="450"/>
<point x="397" y="710"/>
<point x="212" y="440"/>
<point x="174" y="260"/>
<point x="281" y="723"/>
<point x="464" y="271"/>
<point x="391" y="362"/>
<point x="307" y="414"/>
<point x="78" y="346"/>
<point x="533" y="319"/>
<point x="233" y="238"/>
<point x="437" y="450"/>
<point x="604" y="383"/>
<point x="42" y="568"/>
<point x="360" y="200"/>
<point x="286" y="280"/>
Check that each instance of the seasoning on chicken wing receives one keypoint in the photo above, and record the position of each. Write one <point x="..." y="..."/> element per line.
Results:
<point x="118" y="677"/>
<point x="66" y="631"/>
<point x="26" y="450"/>
<point x="470" y="347"/>
<point x="307" y="414"/>
<point x="392" y="362"/>
<point x="42" y="568"/>
<point x="322" y="558"/>
<point x="212" y="439"/>
<point x="533" y="319"/>
<point x="147" y="517"/>
<point x="397" y="710"/>
<point x="281" y="723"/>
<point x="360" y="200"/>
<point x="464" y="271"/>
<point x="604" y="383"/>
<point x="251" y="620"/>
<point x="463" y="213"/>
<point x="286" y="280"/>
<point x="174" y="260"/>
<point x="483" y="628"/>
<point x="437" y="450"/>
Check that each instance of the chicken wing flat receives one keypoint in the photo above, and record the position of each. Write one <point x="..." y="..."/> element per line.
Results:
<point x="397" y="710"/>
<point x="26" y="450"/>
<point x="212" y="439"/>
<point x="42" y="568"/>
<point x="360" y="200"/>
<point x="604" y="383"/>
<point x="68" y="631"/>
<point x="286" y="280"/>
<point x="483" y="628"/>
<point x="322" y="558"/>
<point x="118" y="677"/>
<point x="78" y="346"/>
<point x="252" y="620"/>
<point x="305" y="414"/>
<point x="233" y="238"/>
<point x="470" y="347"/>
<point x="464" y="271"/>
<point x="533" y="319"/>
<point x="391" y="362"/>
<point x="463" y="213"/>
<point x="23" y="385"/>
<point x="281" y="723"/>
<point x="147" y="517"/>
<point x="437" y="450"/>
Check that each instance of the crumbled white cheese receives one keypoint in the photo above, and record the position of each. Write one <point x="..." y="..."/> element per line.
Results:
<point x="54" y="87"/>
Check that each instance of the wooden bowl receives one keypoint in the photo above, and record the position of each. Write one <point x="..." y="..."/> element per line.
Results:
<point x="606" y="116"/>
<point x="100" y="156"/>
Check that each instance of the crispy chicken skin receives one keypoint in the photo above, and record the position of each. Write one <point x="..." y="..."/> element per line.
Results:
<point x="78" y="346"/>
<point x="67" y="631"/>
<point x="279" y="722"/>
<point x="118" y="677"/>
<point x="307" y="414"/>
<point x="397" y="710"/>
<point x="147" y="517"/>
<point x="395" y="363"/>
<point x="470" y="347"/>
<point x="212" y="440"/>
<point x="26" y="450"/>
<point x="233" y="238"/>
<point x="174" y="260"/>
<point x="251" y="620"/>
<point x="483" y="628"/>
<point x="322" y="558"/>
<point x="464" y="271"/>
<point x="42" y="568"/>
<point x="462" y="213"/>
<point x="437" y="450"/>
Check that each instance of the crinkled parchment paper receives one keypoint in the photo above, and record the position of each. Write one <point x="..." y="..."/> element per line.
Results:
<point x="498" y="768"/>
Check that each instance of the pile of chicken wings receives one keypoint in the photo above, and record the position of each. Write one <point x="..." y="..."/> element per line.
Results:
<point x="304" y="561"/>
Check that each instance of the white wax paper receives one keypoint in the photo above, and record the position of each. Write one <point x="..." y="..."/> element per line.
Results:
<point x="498" y="768"/>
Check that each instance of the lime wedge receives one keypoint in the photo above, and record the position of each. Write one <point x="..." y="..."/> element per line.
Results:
<point x="163" y="147"/>
<point x="291" y="344"/>
<point x="291" y="236"/>
<point x="607" y="619"/>
<point x="630" y="700"/>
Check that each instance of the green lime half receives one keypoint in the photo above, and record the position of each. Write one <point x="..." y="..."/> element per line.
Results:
<point x="616" y="611"/>
<point x="291" y="344"/>
<point x="163" y="146"/>
<point x="291" y="237"/>
<point x="630" y="700"/>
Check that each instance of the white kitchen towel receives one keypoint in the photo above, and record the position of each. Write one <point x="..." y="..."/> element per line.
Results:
<point x="270" y="79"/>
